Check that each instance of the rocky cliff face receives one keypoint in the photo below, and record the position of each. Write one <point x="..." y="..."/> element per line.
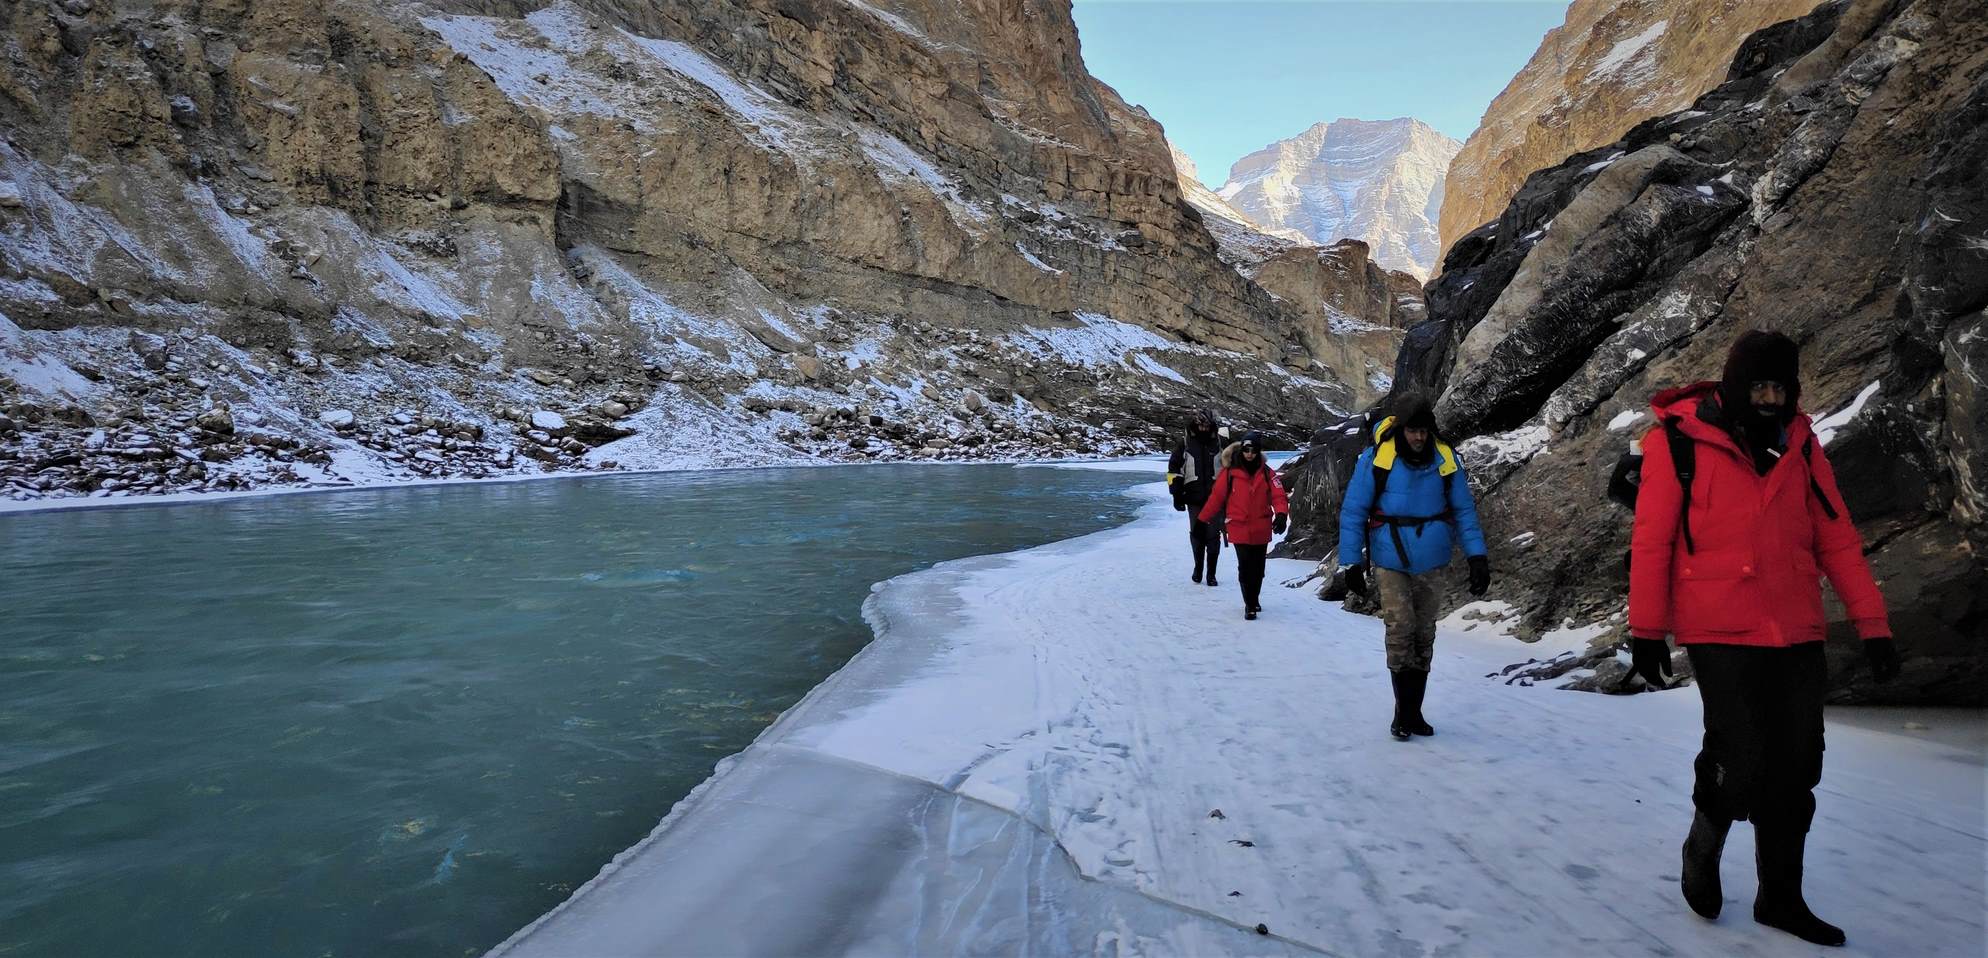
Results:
<point x="1612" y="65"/>
<point x="1377" y="181"/>
<point x="1834" y="188"/>
<point x="308" y="242"/>
<point x="1231" y="227"/>
<point x="1352" y="312"/>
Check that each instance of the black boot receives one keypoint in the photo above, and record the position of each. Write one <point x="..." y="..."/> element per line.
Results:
<point x="1418" y="685"/>
<point x="1700" y="875"/>
<point x="1399" y="728"/>
<point x="1197" y="569"/>
<point x="1779" y="903"/>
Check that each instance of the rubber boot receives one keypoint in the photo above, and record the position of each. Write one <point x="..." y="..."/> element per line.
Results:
<point x="1212" y="554"/>
<point x="1779" y="903"/>
<point x="1418" y="685"/>
<point x="1197" y="565"/>
<point x="1700" y="876"/>
<point x="1399" y="728"/>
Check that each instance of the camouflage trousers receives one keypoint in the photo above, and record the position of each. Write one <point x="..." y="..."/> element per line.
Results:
<point x="1408" y="607"/>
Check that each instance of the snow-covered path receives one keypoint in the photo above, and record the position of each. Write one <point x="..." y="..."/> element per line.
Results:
<point x="1031" y="757"/>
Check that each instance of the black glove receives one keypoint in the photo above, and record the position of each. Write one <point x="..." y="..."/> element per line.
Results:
<point x="1480" y="575"/>
<point x="1650" y="658"/>
<point x="1356" y="578"/>
<point x="1179" y="504"/>
<point x="1883" y="654"/>
<point x="1279" y="523"/>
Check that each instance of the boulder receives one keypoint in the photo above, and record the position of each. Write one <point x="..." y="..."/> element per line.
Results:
<point x="152" y="350"/>
<point x="340" y="419"/>
<point x="548" y="421"/>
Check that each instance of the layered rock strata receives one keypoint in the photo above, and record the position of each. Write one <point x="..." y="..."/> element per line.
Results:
<point x="379" y="240"/>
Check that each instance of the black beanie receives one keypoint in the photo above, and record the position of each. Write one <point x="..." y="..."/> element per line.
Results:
<point x="1414" y="411"/>
<point x="1761" y="356"/>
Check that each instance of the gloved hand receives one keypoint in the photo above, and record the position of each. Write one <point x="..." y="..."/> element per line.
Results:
<point x="1883" y="655"/>
<point x="1650" y="658"/>
<point x="1356" y="578"/>
<point x="1279" y="523"/>
<point x="1179" y="504"/>
<point x="1480" y="575"/>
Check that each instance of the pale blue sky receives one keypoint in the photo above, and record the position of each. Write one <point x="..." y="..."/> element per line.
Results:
<point x="1229" y="77"/>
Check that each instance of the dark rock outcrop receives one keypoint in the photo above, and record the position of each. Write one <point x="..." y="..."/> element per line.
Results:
<point x="1835" y="189"/>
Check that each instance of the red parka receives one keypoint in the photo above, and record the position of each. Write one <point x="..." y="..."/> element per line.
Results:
<point x="1250" y="498"/>
<point x="1763" y="542"/>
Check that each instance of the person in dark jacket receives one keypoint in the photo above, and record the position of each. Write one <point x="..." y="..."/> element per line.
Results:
<point x="1251" y="498"/>
<point x="1405" y="508"/>
<point x="1730" y="567"/>
<point x="1190" y="476"/>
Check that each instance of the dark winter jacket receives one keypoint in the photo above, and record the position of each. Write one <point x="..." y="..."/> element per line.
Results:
<point x="1192" y="467"/>
<point x="1248" y="497"/>
<point x="1762" y="542"/>
<point x="1419" y="512"/>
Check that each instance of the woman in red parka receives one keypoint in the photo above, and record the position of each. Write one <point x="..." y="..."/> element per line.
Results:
<point x="1731" y="566"/>
<point x="1248" y="492"/>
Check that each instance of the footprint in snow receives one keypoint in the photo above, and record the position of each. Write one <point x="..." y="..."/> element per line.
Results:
<point x="1244" y="842"/>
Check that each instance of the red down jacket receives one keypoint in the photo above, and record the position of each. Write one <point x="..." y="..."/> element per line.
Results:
<point x="1250" y="498"/>
<point x="1763" y="542"/>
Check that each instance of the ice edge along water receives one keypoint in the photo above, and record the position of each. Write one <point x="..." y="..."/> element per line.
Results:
<point x="1032" y="755"/>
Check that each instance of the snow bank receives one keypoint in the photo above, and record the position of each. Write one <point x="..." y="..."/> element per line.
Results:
<point x="1099" y="340"/>
<point x="32" y="366"/>
<point x="1071" y="750"/>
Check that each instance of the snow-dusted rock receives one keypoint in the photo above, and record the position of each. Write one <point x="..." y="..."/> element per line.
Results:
<point x="337" y="418"/>
<point x="548" y="421"/>
<point x="216" y="420"/>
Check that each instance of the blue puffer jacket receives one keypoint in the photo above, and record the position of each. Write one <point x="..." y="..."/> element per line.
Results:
<point x="1412" y="492"/>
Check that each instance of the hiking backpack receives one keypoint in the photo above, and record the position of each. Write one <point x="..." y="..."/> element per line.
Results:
<point x="1627" y="478"/>
<point x="1382" y="436"/>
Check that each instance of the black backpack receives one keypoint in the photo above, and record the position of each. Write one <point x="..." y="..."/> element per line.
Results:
<point x="1627" y="478"/>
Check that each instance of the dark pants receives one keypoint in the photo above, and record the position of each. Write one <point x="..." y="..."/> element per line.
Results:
<point x="1207" y="542"/>
<point x="1763" y="733"/>
<point x="1249" y="572"/>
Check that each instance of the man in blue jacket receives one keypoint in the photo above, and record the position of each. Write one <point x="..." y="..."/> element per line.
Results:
<point x="1405" y="507"/>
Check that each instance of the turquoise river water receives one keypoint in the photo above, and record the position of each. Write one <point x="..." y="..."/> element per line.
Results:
<point x="408" y="721"/>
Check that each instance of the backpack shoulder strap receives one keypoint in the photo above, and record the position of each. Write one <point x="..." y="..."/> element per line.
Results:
<point x="1808" y="459"/>
<point x="1684" y="459"/>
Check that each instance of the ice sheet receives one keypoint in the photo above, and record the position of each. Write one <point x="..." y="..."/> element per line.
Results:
<point x="1032" y="756"/>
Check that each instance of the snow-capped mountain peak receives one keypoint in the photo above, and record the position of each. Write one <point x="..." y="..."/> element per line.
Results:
<point x="1380" y="181"/>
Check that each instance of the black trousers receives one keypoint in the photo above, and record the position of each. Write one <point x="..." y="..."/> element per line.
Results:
<point x="1207" y="542"/>
<point x="1762" y="756"/>
<point x="1249" y="571"/>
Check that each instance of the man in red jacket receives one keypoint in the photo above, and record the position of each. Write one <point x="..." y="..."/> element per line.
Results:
<point x="1248" y="493"/>
<point x="1728" y="562"/>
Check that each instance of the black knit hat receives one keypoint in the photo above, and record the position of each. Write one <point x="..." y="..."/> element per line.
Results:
<point x="1253" y="440"/>
<point x="1761" y="356"/>
<point x="1414" y="411"/>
